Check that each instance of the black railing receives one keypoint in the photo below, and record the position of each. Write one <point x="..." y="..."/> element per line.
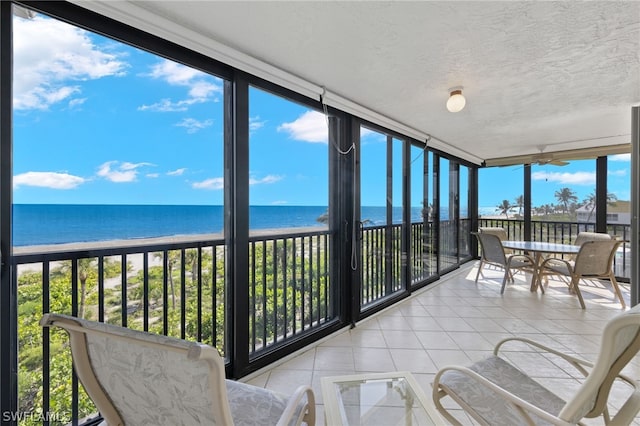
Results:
<point x="423" y="252"/>
<point x="175" y="288"/>
<point x="381" y="262"/>
<point x="178" y="287"/>
<point x="382" y="258"/>
<point x="289" y="287"/>
<point x="566" y="233"/>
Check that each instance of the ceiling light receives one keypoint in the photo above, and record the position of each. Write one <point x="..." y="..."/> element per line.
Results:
<point x="456" y="101"/>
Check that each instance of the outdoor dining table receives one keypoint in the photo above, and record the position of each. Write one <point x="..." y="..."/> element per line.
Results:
<point x="538" y="248"/>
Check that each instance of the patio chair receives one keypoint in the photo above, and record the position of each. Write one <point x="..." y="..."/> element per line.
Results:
<point x="137" y="378"/>
<point x="584" y="236"/>
<point x="496" y="230"/>
<point x="580" y="239"/>
<point x="494" y="392"/>
<point x="494" y="254"/>
<point x="593" y="261"/>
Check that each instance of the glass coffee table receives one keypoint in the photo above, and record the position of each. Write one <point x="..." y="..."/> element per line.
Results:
<point x="377" y="399"/>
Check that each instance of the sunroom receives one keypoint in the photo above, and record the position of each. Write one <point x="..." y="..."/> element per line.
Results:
<point x="262" y="176"/>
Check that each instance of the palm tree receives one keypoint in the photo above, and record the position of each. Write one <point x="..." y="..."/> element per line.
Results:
<point x="504" y="207"/>
<point x="87" y="270"/>
<point x="520" y="203"/>
<point x="590" y="202"/>
<point x="173" y="259"/>
<point x="323" y="218"/>
<point x="565" y="196"/>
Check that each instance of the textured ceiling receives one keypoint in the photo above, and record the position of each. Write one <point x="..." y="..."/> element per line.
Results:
<point x="538" y="76"/>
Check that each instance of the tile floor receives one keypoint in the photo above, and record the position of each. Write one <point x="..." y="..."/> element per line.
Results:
<point x="456" y="321"/>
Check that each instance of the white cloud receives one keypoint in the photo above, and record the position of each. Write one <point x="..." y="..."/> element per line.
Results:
<point x="621" y="172"/>
<point x="73" y="103"/>
<point x="203" y="90"/>
<point x="267" y="179"/>
<point x="201" y="87"/>
<point x="255" y="123"/>
<point x="177" y="172"/>
<point x="152" y="175"/>
<point x="50" y="57"/>
<point x="175" y="73"/>
<point x="213" y="183"/>
<point x="577" y="178"/>
<point x="309" y="127"/>
<point x="218" y="183"/>
<point x="166" y="105"/>
<point x="132" y="166"/>
<point x="48" y="180"/>
<point x="192" y="125"/>
<point x="124" y="172"/>
<point x="620" y="157"/>
<point x="365" y="132"/>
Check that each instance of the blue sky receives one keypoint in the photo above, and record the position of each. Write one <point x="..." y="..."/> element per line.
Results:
<point x="99" y="122"/>
<point x="500" y="183"/>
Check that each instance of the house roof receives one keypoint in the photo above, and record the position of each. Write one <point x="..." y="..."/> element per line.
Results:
<point x="620" y="206"/>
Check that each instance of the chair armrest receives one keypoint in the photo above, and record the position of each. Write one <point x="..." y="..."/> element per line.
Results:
<point x="629" y="410"/>
<point x="577" y="363"/>
<point x="522" y="406"/>
<point x="306" y="413"/>
<point x="555" y="259"/>
<point x="525" y="256"/>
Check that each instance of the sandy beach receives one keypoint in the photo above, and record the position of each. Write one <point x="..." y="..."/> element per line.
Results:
<point x="136" y="260"/>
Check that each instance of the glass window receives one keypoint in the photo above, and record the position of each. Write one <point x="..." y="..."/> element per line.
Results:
<point x="422" y="250"/>
<point x="561" y="199"/>
<point x="464" y="222"/>
<point x="619" y="209"/>
<point x="288" y="219"/>
<point x="113" y="147"/>
<point x="448" y="253"/>
<point x="381" y="212"/>
<point x="500" y="193"/>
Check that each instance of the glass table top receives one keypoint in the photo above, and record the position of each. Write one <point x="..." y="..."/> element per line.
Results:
<point x="380" y="399"/>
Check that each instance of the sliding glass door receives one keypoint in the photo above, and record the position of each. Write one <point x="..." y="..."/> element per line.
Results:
<point x="448" y="214"/>
<point x="382" y="237"/>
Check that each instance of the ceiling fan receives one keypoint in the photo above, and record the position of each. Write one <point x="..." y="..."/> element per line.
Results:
<point x="543" y="159"/>
<point x="551" y="161"/>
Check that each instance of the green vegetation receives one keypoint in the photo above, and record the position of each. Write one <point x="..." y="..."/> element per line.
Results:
<point x="564" y="211"/>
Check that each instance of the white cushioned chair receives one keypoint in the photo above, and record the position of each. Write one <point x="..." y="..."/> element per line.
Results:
<point x="499" y="231"/>
<point x="559" y="262"/>
<point x="493" y="253"/>
<point x="494" y="392"/>
<point x="137" y="378"/>
<point x="593" y="261"/>
<point x="585" y="236"/>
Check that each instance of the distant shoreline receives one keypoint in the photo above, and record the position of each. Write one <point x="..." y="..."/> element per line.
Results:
<point x="135" y="242"/>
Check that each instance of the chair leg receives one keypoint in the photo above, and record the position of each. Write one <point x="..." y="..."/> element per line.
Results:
<point x="616" y="288"/>
<point x="441" y="394"/>
<point x="539" y="284"/>
<point x="504" y="280"/>
<point x="479" y="269"/>
<point x="574" y="285"/>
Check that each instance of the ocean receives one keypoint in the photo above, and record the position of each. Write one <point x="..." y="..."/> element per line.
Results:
<point x="37" y="224"/>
